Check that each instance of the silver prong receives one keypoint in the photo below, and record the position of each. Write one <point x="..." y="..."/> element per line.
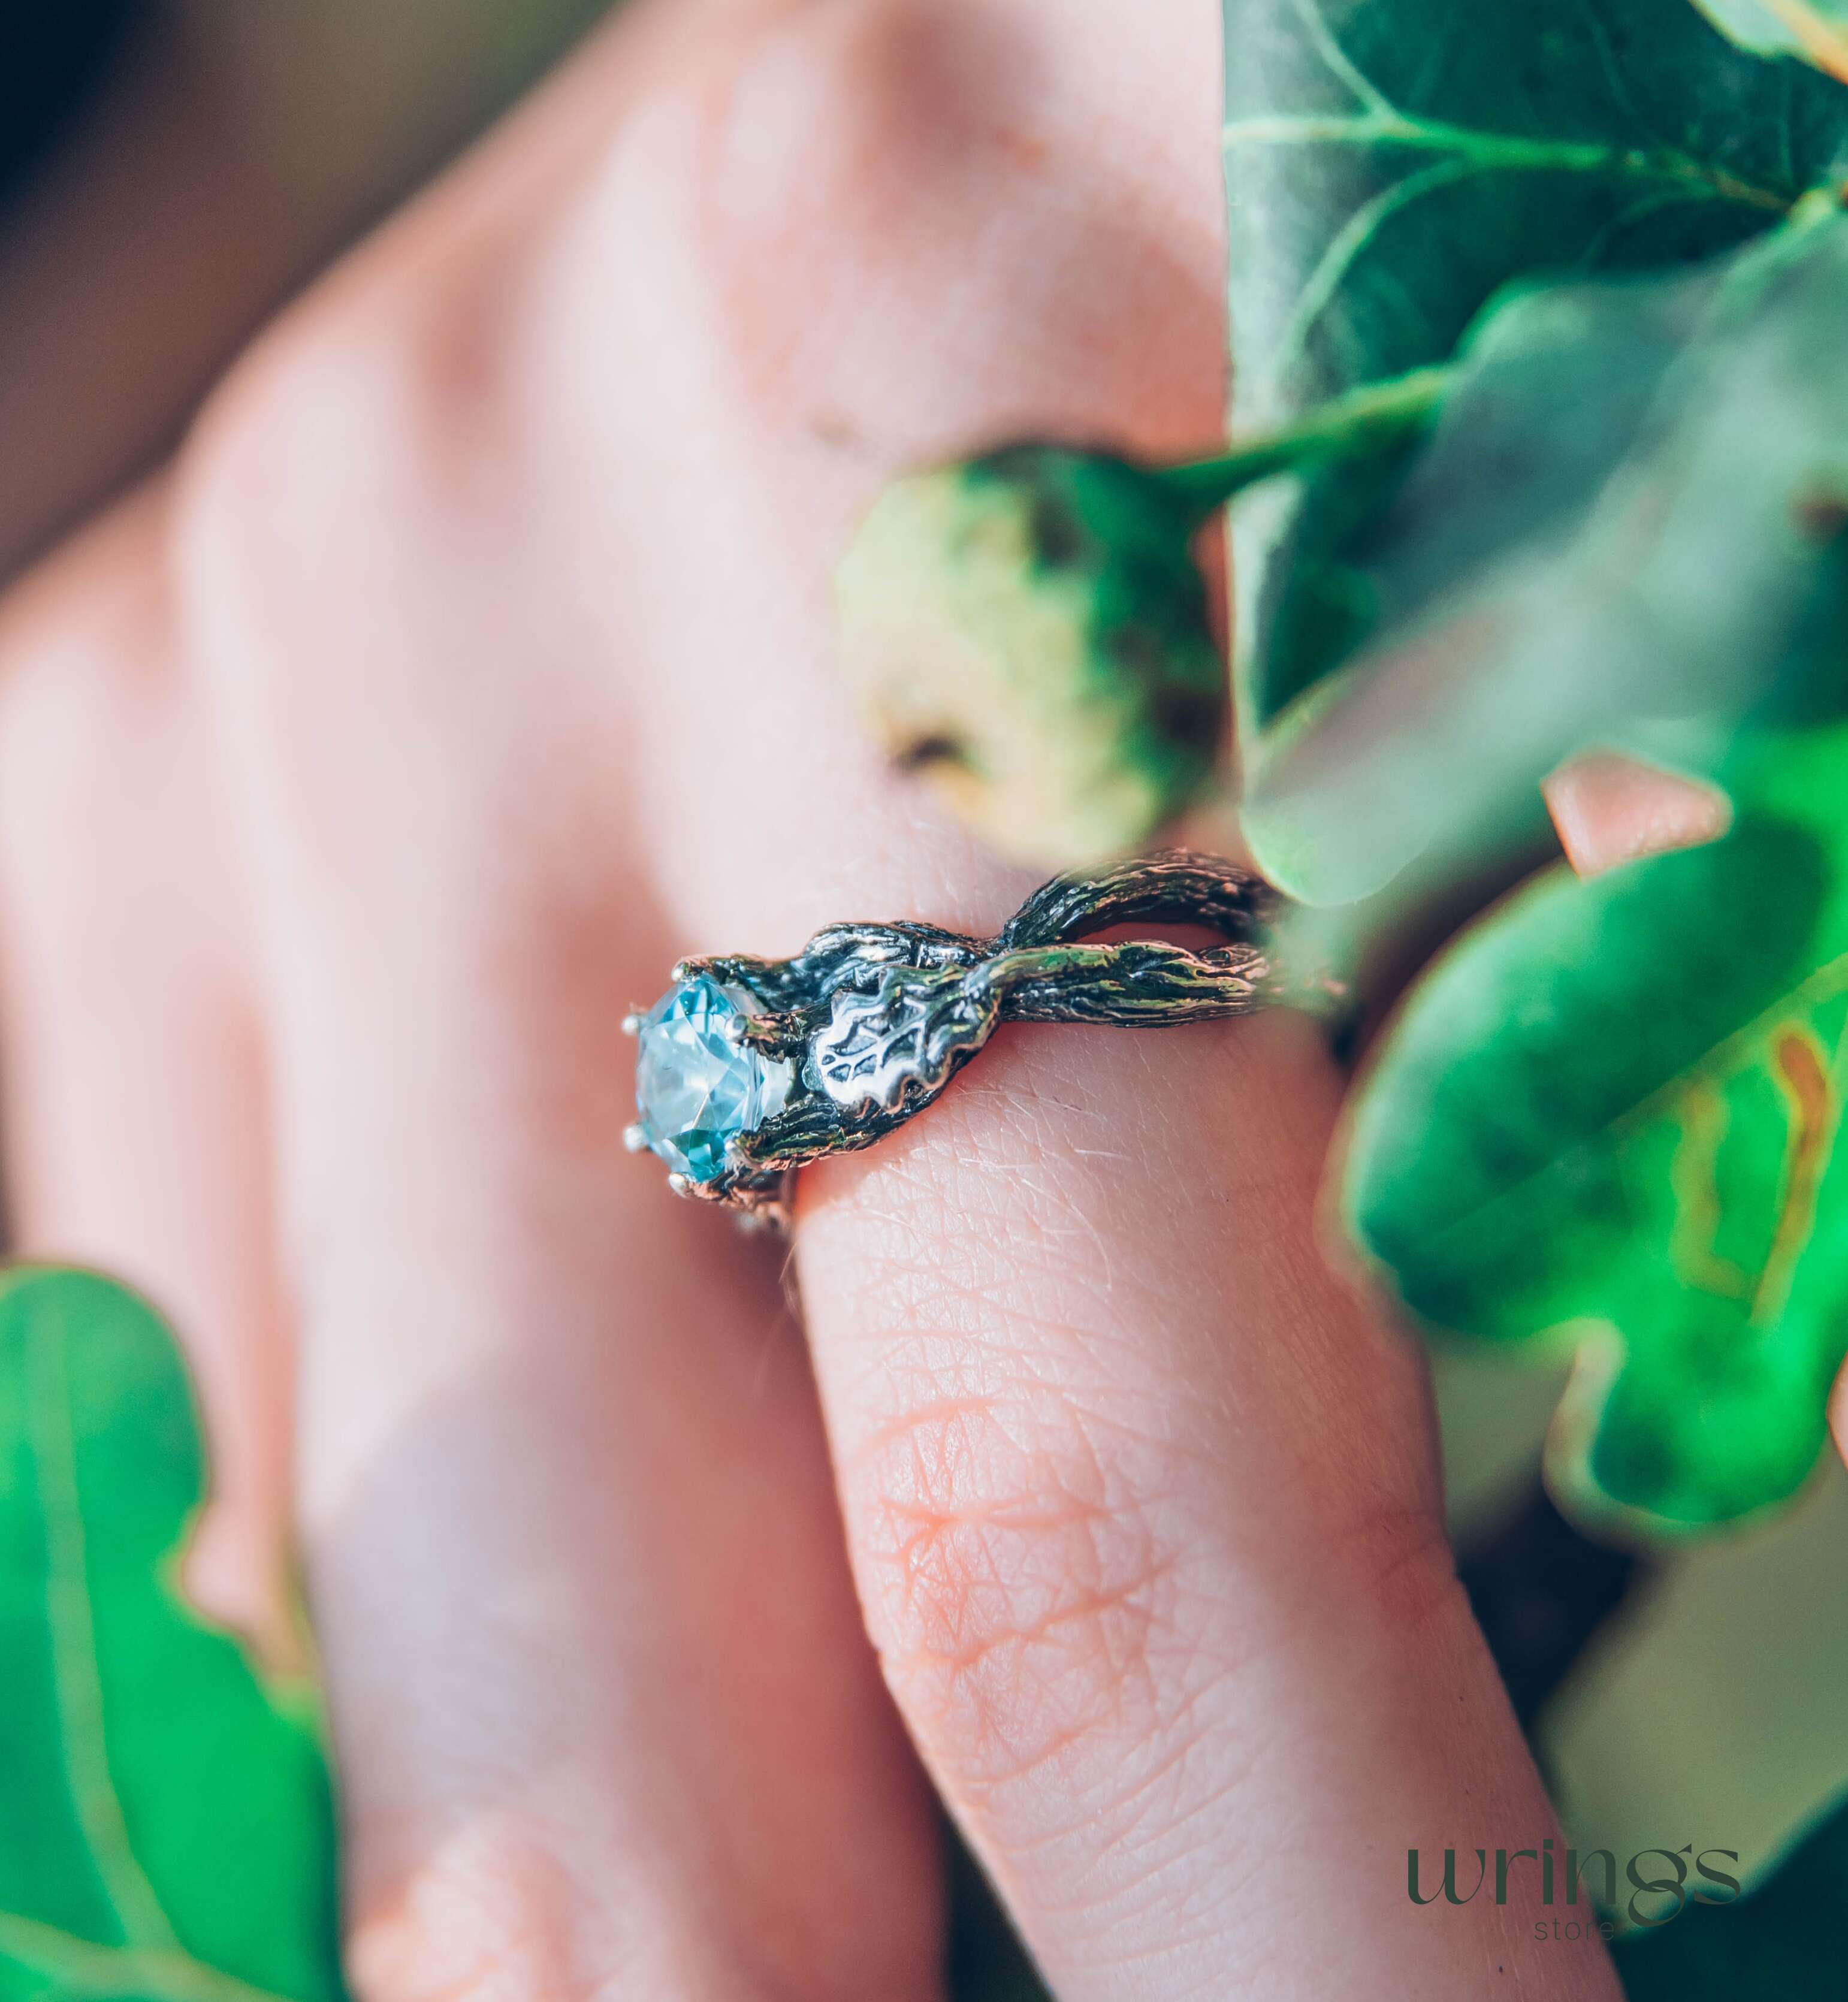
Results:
<point x="753" y="1222"/>
<point x="682" y="968"/>
<point x="680" y="1184"/>
<point x="636" y="1138"/>
<point x="632" y="1024"/>
<point x="735" y="1032"/>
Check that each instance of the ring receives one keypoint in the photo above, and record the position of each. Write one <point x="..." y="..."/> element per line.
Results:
<point x="749" y="1068"/>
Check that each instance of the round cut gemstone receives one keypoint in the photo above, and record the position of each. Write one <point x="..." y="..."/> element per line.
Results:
<point x="697" y="1088"/>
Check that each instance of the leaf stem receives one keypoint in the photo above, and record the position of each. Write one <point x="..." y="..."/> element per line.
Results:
<point x="1367" y="420"/>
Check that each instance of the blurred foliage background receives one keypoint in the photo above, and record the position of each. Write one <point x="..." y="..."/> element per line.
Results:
<point x="198" y="160"/>
<point x="52" y="57"/>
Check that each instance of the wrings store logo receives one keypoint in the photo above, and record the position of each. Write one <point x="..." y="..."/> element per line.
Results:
<point x="1662" y="1883"/>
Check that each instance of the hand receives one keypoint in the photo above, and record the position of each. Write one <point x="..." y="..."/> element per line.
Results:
<point x="469" y="666"/>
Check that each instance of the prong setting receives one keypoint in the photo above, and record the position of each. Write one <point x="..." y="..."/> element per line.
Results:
<point x="636" y="1138"/>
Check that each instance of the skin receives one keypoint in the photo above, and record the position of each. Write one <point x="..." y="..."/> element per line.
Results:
<point x="468" y="666"/>
<point x="1609" y="810"/>
<point x="230" y="150"/>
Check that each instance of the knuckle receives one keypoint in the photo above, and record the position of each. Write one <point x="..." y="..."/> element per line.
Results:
<point x="846" y="109"/>
<point x="94" y="737"/>
<point x="72" y="693"/>
<point x="836" y="172"/>
<point x="292" y="497"/>
<point x="345" y="542"/>
<point x="339" y="431"/>
<point x="488" y="1915"/>
<point x="861" y="169"/>
<point x="495" y="1911"/>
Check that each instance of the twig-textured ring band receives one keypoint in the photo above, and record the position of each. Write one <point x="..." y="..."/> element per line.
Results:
<point x="748" y="1068"/>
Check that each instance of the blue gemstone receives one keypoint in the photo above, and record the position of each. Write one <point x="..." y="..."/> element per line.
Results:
<point x="697" y="1088"/>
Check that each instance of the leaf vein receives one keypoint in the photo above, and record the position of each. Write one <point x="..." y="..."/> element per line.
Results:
<point x="1351" y="242"/>
<point x="1340" y="64"/>
<point x="80" y="1967"/>
<point x="76" y="1675"/>
<point x="1828" y="981"/>
<point x="1503" y="152"/>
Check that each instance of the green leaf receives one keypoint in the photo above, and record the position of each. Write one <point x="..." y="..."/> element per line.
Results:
<point x="1612" y="1112"/>
<point x="1626" y="531"/>
<point x="168" y="1835"/>
<point x="1815" y="29"/>
<point x="1392" y="164"/>
<point x="1784" y="1939"/>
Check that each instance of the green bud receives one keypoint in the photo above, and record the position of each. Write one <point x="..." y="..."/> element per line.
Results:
<point x="1029" y="633"/>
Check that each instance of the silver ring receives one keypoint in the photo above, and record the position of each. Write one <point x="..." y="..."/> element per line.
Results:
<point x="749" y="1068"/>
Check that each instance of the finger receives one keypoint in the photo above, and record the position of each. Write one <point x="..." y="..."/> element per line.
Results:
<point x="135" y="1133"/>
<point x="1146" y="1530"/>
<point x="1609" y="810"/>
<point x="605" y="1710"/>
<point x="1142" y="1505"/>
<point x="607" y="1715"/>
